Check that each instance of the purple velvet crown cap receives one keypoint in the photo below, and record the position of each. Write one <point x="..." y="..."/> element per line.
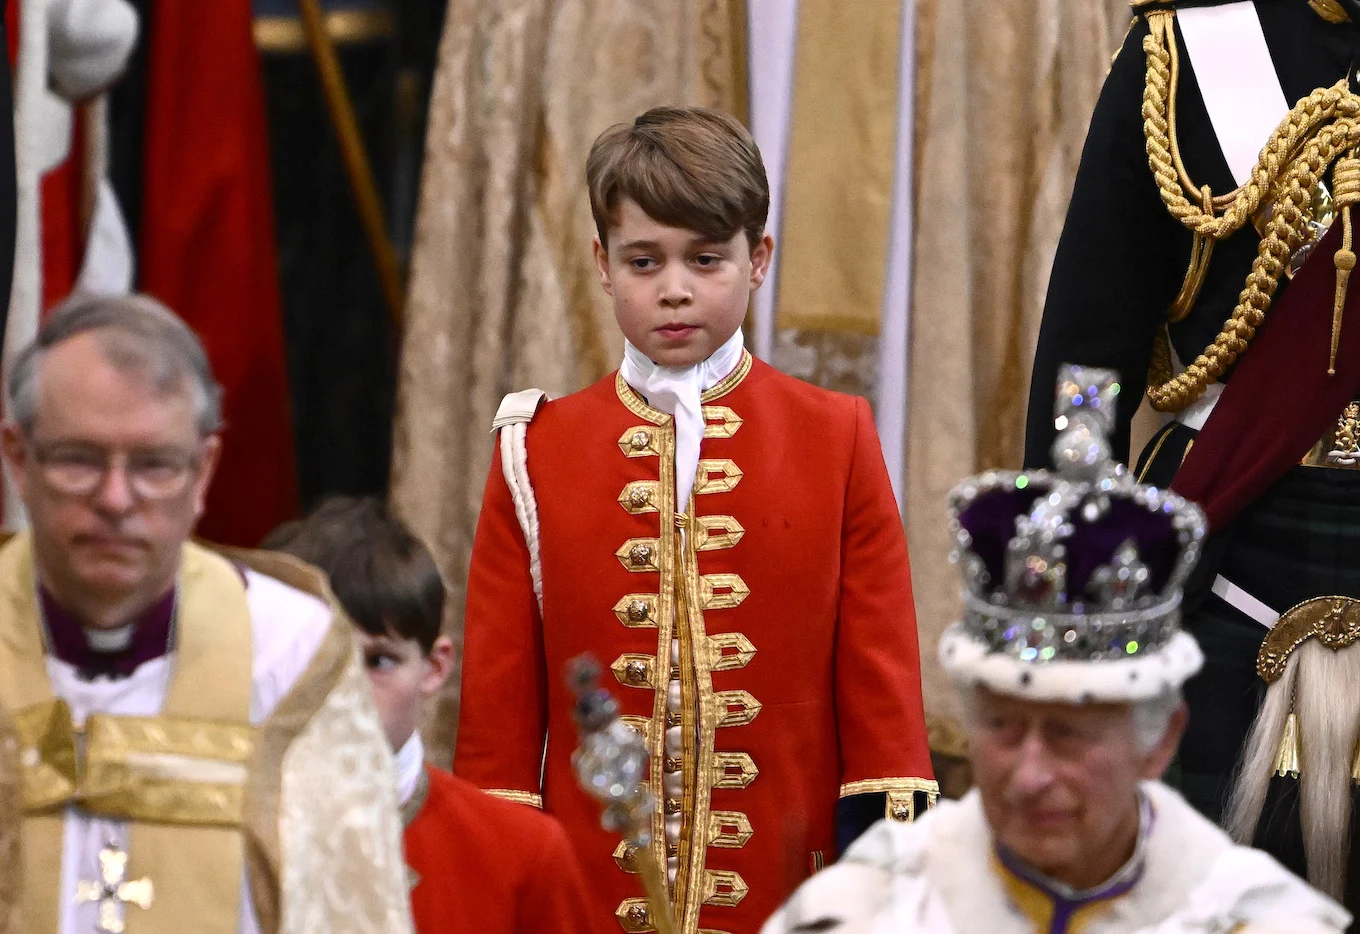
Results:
<point x="1084" y="537"/>
<point x="989" y="522"/>
<point x="1072" y="577"/>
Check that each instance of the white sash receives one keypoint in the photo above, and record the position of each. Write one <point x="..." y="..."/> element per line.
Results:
<point x="1237" y="80"/>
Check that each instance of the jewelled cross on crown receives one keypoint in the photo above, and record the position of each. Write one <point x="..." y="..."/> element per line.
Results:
<point x="113" y="890"/>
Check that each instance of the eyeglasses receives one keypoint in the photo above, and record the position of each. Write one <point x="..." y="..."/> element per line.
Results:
<point x="80" y="470"/>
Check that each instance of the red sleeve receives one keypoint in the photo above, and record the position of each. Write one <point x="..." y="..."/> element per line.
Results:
<point x="502" y="717"/>
<point x="556" y="899"/>
<point x="879" y="713"/>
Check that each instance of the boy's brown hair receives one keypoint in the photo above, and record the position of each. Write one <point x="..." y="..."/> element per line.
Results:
<point x="383" y="576"/>
<point x="688" y="167"/>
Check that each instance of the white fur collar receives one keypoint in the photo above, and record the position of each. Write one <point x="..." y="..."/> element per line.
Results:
<point x="936" y="876"/>
<point x="1180" y="852"/>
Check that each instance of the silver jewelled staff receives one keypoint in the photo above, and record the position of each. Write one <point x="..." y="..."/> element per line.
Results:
<point x="610" y="763"/>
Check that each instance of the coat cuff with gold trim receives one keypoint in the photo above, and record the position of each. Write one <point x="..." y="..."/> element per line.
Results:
<point x="906" y="797"/>
<point x="519" y="797"/>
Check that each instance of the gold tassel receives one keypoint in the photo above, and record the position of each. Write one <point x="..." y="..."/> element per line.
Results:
<point x="1287" y="761"/>
<point x="1346" y="180"/>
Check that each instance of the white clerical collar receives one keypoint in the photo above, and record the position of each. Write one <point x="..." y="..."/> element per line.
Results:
<point x="410" y="767"/>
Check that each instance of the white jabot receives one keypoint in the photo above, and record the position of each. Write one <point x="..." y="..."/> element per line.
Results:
<point x="675" y="390"/>
<point x="410" y="763"/>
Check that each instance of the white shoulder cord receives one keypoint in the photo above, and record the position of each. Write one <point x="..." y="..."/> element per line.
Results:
<point x="512" y="420"/>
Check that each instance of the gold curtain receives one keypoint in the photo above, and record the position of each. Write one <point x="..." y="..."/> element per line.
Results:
<point x="1004" y="96"/>
<point x="838" y="177"/>
<point x="503" y="293"/>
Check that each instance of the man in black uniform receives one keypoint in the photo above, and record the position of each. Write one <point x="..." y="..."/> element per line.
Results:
<point x="1186" y="241"/>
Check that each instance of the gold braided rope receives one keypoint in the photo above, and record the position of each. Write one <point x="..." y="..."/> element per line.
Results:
<point x="1346" y="194"/>
<point x="1317" y="130"/>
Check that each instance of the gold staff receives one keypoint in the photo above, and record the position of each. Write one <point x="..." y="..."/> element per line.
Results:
<point x="357" y="166"/>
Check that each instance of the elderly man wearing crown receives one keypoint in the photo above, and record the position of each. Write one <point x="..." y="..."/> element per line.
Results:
<point x="1070" y="660"/>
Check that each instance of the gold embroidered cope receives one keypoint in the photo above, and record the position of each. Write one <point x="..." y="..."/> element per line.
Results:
<point x="198" y="779"/>
<point x="185" y="770"/>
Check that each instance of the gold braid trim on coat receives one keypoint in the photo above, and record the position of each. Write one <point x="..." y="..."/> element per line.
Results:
<point x="1319" y="129"/>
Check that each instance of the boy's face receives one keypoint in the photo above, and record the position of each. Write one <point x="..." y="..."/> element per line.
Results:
<point x="677" y="296"/>
<point x="402" y="677"/>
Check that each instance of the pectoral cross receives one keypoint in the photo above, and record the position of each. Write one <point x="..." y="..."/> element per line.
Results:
<point x="113" y="891"/>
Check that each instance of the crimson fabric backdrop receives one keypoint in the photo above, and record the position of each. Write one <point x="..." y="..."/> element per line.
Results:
<point x="207" y="245"/>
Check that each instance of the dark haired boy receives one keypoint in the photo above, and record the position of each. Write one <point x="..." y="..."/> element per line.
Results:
<point x="723" y="537"/>
<point x="477" y="865"/>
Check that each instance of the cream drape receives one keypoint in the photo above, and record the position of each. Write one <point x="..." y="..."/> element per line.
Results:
<point x="503" y="293"/>
<point x="1004" y="92"/>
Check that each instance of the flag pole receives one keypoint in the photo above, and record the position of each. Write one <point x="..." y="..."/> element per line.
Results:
<point x="357" y="166"/>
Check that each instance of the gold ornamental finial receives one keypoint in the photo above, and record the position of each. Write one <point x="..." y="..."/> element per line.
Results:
<point x="1333" y="621"/>
<point x="1330" y="10"/>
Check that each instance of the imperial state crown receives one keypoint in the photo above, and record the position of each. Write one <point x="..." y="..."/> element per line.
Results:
<point x="1073" y="577"/>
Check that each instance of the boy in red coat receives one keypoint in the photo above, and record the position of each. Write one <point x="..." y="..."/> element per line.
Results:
<point x="477" y="865"/>
<point x="723" y="537"/>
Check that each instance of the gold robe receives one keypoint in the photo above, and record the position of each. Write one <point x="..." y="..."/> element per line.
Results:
<point x="300" y="803"/>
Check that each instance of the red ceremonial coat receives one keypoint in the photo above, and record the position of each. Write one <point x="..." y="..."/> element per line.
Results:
<point x="799" y="671"/>
<point x="485" y="866"/>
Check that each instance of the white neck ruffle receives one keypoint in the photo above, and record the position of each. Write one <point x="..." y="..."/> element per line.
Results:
<point x="677" y="392"/>
<point x="410" y="765"/>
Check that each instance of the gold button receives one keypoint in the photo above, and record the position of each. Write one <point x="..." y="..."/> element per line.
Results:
<point x="681" y="520"/>
<point x="640" y="555"/>
<point x="674" y="719"/>
<point x="635" y="672"/>
<point x="901" y="813"/>
<point x="672" y="849"/>
<point x="673" y="764"/>
<point x="672" y="805"/>
<point x="640" y="497"/>
<point x="638" y="611"/>
<point x="640" y="440"/>
<point x="675" y="673"/>
<point x="638" y="914"/>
